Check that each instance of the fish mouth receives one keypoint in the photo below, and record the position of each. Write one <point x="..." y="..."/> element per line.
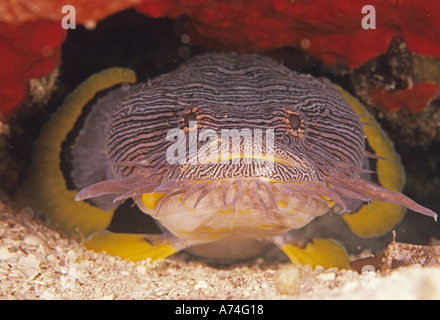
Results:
<point x="269" y="194"/>
<point x="268" y="178"/>
<point x="242" y="166"/>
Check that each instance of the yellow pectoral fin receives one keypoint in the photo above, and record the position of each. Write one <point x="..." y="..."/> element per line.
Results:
<point x="129" y="246"/>
<point x="320" y="252"/>
<point x="378" y="217"/>
<point x="50" y="194"/>
<point x="48" y="187"/>
<point x="374" y="219"/>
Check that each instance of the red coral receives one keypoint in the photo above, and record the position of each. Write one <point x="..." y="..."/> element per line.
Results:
<point x="328" y="30"/>
<point x="12" y="11"/>
<point x="27" y="50"/>
<point x="414" y="99"/>
<point x="331" y="29"/>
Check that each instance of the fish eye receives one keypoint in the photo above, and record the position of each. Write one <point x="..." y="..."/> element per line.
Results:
<point x="189" y="115"/>
<point x="295" y="123"/>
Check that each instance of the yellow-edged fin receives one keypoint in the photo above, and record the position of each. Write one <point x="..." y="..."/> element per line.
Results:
<point x="320" y="252"/>
<point x="378" y="217"/>
<point x="48" y="186"/>
<point x="128" y="246"/>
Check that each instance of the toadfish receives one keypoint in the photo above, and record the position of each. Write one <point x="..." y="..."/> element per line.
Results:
<point x="228" y="153"/>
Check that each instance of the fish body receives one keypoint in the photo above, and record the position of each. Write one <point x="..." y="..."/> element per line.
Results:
<point x="234" y="151"/>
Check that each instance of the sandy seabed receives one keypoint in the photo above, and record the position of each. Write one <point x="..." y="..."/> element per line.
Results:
<point x="37" y="262"/>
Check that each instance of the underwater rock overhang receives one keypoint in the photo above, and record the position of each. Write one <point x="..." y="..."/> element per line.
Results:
<point x="31" y="34"/>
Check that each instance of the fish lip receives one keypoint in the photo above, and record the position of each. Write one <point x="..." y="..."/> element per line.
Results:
<point x="271" y="167"/>
<point x="270" y="158"/>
